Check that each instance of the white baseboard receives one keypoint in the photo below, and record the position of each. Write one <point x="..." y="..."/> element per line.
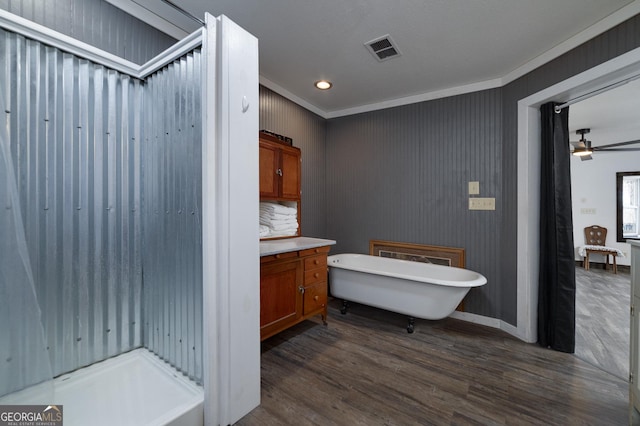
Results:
<point x="489" y="322"/>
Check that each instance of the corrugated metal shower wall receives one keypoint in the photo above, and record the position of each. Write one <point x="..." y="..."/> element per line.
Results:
<point x="172" y="200"/>
<point x="74" y="137"/>
<point x="86" y="142"/>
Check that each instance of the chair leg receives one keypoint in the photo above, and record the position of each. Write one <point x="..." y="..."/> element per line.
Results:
<point x="586" y="262"/>
<point x="615" y="265"/>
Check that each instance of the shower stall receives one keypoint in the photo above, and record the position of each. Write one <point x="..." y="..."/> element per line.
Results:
<point x="127" y="290"/>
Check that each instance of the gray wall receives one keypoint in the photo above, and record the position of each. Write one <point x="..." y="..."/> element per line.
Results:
<point x="402" y="174"/>
<point x="97" y="23"/>
<point x="308" y="131"/>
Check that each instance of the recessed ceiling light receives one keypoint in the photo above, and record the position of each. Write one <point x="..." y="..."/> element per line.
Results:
<point x="323" y="84"/>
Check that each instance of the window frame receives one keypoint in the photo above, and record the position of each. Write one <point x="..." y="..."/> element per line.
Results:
<point x="620" y="206"/>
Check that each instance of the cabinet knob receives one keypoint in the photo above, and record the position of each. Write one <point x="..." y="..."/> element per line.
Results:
<point x="316" y="275"/>
<point x="316" y="298"/>
<point x="301" y="289"/>
<point x="279" y="172"/>
<point x="316" y="262"/>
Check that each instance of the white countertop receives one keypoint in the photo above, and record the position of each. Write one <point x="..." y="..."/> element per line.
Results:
<point x="292" y="244"/>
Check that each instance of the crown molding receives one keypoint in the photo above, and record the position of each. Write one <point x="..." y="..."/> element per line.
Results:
<point x="428" y="96"/>
<point x="293" y="98"/>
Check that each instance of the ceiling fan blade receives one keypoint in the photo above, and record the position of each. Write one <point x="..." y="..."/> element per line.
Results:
<point x="611" y="145"/>
<point x="585" y="157"/>
<point x="616" y="149"/>
<point x="578" y="144"/>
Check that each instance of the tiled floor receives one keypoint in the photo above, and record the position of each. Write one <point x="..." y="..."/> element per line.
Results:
<point x="602" y="319"/>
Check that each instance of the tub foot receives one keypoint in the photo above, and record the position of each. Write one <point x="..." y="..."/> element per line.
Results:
<point x="410" y="325"/>
<point x="345" y="306"/>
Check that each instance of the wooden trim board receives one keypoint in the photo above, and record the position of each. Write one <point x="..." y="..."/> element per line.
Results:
<point x="447" y="256"/>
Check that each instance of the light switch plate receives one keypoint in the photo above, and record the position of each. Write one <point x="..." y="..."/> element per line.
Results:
<point x="482" y="203"/>
<point x="474" y="188"/>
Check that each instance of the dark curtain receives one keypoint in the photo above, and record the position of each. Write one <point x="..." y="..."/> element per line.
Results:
<point x="557" y="286"/>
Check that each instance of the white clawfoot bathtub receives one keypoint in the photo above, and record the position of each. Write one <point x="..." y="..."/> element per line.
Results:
<point x="416" y="289"/>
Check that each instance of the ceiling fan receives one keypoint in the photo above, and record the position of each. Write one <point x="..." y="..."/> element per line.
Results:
<point x="583" y="148"/>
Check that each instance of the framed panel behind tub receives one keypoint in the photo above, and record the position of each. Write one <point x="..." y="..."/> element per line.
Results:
<point x="447" y="256"/>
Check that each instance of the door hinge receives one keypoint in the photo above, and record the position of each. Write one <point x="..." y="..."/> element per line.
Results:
<point x="633" y="310"/>
<point x="301" y="289"/>
<point x="631" y="378"/>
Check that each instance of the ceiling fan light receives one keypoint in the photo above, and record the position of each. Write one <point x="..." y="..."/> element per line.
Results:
<point x="581" y="152"/>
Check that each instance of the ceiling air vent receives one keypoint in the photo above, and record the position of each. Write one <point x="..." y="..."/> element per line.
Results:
<point x="383" y="48"/>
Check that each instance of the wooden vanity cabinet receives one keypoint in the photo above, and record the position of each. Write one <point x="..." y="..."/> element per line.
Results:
<point x="293" y="287"/>
<point x="279" y="170"/>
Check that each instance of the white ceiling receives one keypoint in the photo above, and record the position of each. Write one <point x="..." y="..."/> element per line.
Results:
<point x="447" y="46"/>
<point x="612" y="116"/>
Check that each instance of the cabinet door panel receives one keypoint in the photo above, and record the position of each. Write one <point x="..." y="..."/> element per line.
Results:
<point x="280" y="297"/>
<point x="269" y="178"/>
<point x="290" y="174"/>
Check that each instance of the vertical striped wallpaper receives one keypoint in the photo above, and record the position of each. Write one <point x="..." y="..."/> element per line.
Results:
<point x="402" y="174"/>
<point x="97" y="23"/>
<point x="74" y="140"/>
<point x="172" y="215"/>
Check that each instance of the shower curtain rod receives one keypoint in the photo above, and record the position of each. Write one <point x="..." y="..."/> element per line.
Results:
<point x="184" y="12"/>
<point x="560" y="107"/>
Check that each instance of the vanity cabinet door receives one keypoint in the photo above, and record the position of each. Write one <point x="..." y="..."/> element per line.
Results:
<point x="269" y="176"/>
<point x="281" y="295"/>
<point x="290" y="162"/>
<point x="280" y="171"/>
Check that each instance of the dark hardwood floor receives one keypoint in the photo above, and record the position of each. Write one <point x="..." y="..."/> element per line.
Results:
<point x="602" y="318"/>
<point x="365" y="369"/>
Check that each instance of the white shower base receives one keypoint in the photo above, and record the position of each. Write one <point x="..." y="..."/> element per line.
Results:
<point x="135" y="388"/>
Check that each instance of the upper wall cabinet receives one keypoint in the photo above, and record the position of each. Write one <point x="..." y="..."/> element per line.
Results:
<point x="279" y="170"/>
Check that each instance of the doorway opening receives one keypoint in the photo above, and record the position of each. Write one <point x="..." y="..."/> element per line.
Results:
<point x="620" y="68"/>
<point x="602" y="297"/>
